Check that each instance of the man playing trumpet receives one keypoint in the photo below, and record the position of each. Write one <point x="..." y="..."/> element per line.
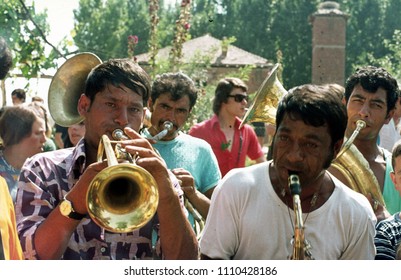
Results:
<point x="51" y="209"/>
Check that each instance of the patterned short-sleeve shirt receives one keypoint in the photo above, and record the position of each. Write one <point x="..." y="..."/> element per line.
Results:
<point x="45" y="179"/>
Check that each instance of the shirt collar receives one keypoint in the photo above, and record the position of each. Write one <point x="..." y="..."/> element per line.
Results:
<point x="215" y="121"/>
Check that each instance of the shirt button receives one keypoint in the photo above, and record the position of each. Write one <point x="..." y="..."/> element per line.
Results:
<point x="102" y="249"/>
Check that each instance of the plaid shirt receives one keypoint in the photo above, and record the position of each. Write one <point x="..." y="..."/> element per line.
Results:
<point x="44" y="180"/>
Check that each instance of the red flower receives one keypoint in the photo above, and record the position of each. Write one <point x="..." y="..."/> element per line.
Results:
<point x="133" y="39"/>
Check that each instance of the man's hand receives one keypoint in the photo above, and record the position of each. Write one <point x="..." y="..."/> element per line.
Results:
<point x="187" y="182"/>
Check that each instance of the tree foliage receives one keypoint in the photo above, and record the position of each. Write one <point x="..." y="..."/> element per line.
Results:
<point x="25" y="31"/>
<point x="262" y="27"/>
<point x="370" y="29"/>
<point x="103" y="27"/>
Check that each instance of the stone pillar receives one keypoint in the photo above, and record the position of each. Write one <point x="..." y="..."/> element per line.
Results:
<point x="328" y="44"/>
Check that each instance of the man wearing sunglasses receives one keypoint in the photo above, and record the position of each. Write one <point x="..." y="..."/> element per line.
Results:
<point x="230" y="144"/>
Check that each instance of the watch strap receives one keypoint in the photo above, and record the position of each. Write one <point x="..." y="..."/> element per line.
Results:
<point x="76" y="216"/>
<point x="73" y="214"/>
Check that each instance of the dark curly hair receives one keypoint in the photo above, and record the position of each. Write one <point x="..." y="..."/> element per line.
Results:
<point x="371" y="78"/>
<point x="177" y="85"/>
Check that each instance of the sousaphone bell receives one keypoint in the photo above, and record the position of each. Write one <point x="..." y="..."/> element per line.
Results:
<point x="264" y="106"/>
<point x="67" y="86"/>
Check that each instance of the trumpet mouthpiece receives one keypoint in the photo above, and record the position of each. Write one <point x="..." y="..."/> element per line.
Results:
<point x="118" y="134"/>
<point x="168" y="125"/>
<point x="361" y="124"/>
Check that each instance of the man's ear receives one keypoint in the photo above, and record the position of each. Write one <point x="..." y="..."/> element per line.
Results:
<point x="389" y="116"/>
<point x="392" y="176"/>
<point x="337" y="147"/>
<point x="83" y="105"/>
<point x="150" y="105"/>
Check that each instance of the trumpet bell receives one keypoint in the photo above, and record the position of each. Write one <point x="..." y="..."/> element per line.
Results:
<point x="118" y="200"/>
<point x="67" y="86"/>
<point x="264" y="106"/>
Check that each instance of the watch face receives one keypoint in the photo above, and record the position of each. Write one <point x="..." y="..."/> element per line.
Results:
<point x="65" y="208"/>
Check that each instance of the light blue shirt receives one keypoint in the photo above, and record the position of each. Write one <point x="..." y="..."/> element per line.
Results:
<point x="391" y="196"/>
<point x="194" y="155"/>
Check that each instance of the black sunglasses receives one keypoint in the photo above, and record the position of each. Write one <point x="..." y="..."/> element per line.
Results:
<point x="239" y="97"/>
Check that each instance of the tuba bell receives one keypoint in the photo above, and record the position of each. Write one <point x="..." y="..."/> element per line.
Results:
<point x="67" y="86"/>
<point x="264" y="106"/>
<point x="123" y="196"/>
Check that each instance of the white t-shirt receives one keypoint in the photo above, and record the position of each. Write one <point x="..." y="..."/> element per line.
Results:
<point x="247" y="220"/>
<point x="388" y="136"/>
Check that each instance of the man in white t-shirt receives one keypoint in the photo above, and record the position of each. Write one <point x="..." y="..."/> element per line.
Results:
<point x="251" y="214"/>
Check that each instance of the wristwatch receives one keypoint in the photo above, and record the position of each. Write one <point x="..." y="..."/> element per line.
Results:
<point x="67" y="210"/>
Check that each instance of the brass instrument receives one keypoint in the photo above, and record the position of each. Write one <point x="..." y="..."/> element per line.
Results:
<point x="301" y="247"/>
<point x="355" y="168"/>
<point x="122" y="197"/>
<point x="264" y="106"/>
<point x="167" y="126"/>
<point x="199" y="221"/>
<point x="67" y="86"/>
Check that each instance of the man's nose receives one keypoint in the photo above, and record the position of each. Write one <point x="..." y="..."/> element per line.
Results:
<point x="121" y="118"/>
<point x="364" y="110"/>
<point x="170" y="115"/>
<point x="296" y="153"/>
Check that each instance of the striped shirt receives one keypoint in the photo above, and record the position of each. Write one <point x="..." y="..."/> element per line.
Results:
<point x="388" y="236"/>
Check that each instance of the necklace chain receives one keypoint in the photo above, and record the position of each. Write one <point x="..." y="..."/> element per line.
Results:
<point x="312" y="204"/>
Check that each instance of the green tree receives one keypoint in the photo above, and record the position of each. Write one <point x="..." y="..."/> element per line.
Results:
<point x="291" y="33"/>
<point x="370" y="29"/>
<point x="260" y="27"/>
<point x="103" y="27"/>
<point x="263" y="28"/>
<point x="391" y="60"/>
<point x="25" y="31"/>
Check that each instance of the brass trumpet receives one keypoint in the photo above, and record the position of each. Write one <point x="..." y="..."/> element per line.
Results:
<point x="124" y="196"/>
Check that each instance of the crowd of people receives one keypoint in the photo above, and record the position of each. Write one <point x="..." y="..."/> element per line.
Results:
<point x="211" y="202"/>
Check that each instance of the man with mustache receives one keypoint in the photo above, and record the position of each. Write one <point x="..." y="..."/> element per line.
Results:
<point x="192" y="160"/>
<point x="252" y="214"/>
